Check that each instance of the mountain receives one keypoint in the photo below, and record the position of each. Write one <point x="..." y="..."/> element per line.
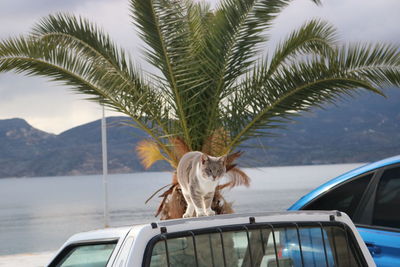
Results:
<point x="26" y="151"/>
<point x="19" y="144"/>
<point x="361" y="129"/>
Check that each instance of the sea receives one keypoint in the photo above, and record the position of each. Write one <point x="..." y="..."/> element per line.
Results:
<point x="39" y="214"/>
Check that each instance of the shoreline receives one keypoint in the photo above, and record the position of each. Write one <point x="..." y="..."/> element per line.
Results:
<point x="37" y="259"/>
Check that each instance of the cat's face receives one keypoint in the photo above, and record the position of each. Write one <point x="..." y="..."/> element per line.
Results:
<point x="213" y="168"/>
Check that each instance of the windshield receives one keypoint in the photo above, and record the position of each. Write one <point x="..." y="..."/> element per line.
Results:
<point x="85" y="255"/>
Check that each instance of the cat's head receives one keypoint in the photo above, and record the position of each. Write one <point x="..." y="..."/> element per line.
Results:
<point x="213" y="168"/>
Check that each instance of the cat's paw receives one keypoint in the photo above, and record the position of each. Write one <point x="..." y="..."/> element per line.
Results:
<point x="187" y="215"/>
<point x="201" y="214"/>
<point x="210" y="213"/>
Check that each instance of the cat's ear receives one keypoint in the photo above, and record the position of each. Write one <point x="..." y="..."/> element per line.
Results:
<point x="204" y="158"/>
<point x="224" y="159"/>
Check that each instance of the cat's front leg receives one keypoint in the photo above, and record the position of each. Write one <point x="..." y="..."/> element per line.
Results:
<point x="208" y="199"/>
<point x="190" y="207"/>
<point x="189" y="211"/>
<point x="197" y="201"/>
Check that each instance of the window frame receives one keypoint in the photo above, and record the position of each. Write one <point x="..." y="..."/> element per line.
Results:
<point x="358" y="209"/>
<point x="66" y="250"/>
<point x="369" y="203"/>
<point x="359" y="256"/>
<point x="364" y="211"/>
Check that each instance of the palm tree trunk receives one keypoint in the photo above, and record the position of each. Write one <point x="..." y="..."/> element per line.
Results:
<point x="173" y="205"/>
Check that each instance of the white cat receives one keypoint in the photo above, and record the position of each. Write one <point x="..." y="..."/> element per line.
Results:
<point x="198" y="175"/>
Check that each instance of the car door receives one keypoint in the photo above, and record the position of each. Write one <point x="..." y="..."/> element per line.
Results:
<point x="378" y="220"/>
<point x="372" y="202"/>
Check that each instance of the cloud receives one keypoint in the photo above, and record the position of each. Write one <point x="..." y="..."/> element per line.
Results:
<point x="55" y="108"/>
<point x="44" y="105"/>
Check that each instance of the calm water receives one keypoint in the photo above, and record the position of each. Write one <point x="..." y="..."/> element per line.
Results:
<point x="39" y="214"/>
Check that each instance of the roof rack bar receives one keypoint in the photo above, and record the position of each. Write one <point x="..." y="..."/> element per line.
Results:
<point x="300" y="248"/>
<point x="249" y="245"/>
<point x="222" y="245"/>
<point x="273" y="238"/>
<point x="211" y="250"/>
<point x="164" y="237"/>
<point x="323" y="242"/>
<point x="194" y="248"/>
<point x="262" y="241"/>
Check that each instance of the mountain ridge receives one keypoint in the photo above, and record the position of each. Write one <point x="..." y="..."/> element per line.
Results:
<point x="362" y="129"/>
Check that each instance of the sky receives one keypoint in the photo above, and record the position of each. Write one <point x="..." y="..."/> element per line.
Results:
<point x="54" y="108"/>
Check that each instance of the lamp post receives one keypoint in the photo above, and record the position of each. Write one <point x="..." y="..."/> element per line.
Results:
<point x="105" y="166"/>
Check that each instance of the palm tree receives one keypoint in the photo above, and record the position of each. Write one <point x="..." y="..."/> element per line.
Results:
<point x="214" y="88"/>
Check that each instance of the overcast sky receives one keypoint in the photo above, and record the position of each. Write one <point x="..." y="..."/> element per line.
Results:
<point x="54" y="109"/>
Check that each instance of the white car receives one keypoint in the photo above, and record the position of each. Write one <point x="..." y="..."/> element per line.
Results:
<point x="299" y="238"/>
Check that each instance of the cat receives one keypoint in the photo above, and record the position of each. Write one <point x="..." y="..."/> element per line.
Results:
<point x="198" y="175"/>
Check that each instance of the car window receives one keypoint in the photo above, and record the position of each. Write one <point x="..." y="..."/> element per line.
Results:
<point x="344" y="197"/>
<point x="88" y="255"/>
<point x="387" y="202"/>
<point x="283" y="246"/>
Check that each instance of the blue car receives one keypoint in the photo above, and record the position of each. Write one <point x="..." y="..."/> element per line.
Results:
<point x="370" y="195"/>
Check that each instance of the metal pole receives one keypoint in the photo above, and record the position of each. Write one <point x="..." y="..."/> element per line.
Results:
<point x="105" y="165"/>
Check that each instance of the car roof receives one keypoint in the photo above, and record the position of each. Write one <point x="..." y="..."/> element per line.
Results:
<point x="99" y="234"/>
<point x="177" y="225"/>
<point x="244" y="218"/>
<point x="348" y="175"/>
<point x="180" y="225"/>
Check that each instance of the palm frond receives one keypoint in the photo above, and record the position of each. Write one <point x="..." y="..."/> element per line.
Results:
<point x="82" y="37"/>
<point x="250" y="32"/>
<point x="149" y="153"/>
<point x="315" y="37"/>
<point x="199" y="16"/>
<point x="231" y="158"/>
<point x="33" y="56"/>
<point x="179" y="148"/>
<point x="379" y="64"/>
<point x="260" y="106"/>
<point x="236" y="177"/>
<point x="216" y="143"/>
<point x="163" y="26"/>
<point x="232" y="46"/>
<point x="241" y="28"/>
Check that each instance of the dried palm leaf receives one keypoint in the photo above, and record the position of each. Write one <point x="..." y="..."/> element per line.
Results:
<point x="155" y="193"/>
<point x="174" y="205"/>
<point x="230" y="159"/>
<point x="216" y="143"/>
<point x="149" y="153"/>
<point x="180" y="148"/>
<point x="237" y="177"/>
<point x="165" y="195"/>
<point x="220" y="205"/>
